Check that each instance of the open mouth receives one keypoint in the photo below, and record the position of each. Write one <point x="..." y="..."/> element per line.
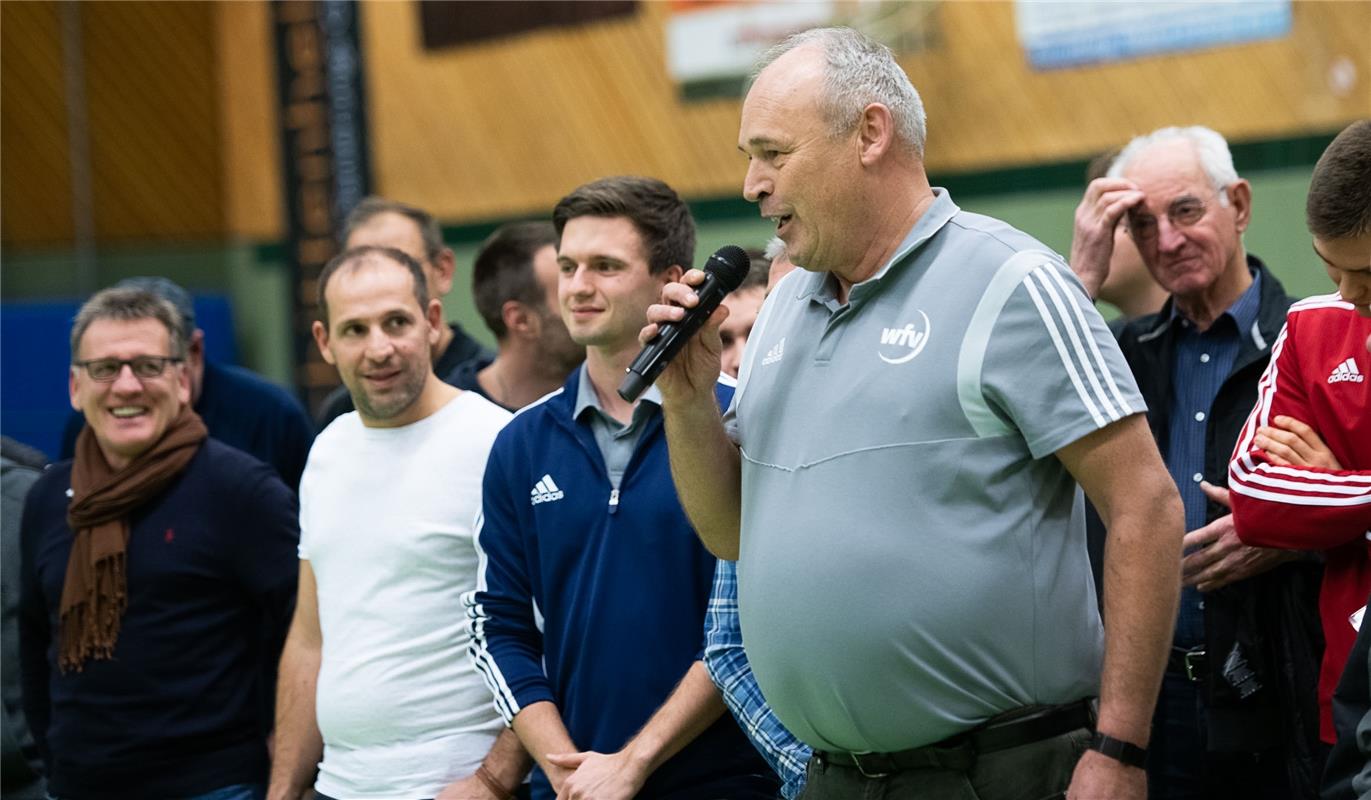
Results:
<point x="781" y="222"/>
<point x="128" y="412"/>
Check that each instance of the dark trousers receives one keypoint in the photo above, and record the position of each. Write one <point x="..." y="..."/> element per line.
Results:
<point x="1180" y="766"/>
<point x="1035" y="771"/>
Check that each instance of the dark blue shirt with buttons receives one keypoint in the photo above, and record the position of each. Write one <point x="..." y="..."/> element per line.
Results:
<point x="1203" y="361"/>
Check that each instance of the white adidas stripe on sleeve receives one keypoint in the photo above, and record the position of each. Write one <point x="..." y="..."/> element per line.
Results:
<point x="1286" y="484"/>
<point x="480" y="654"/>
<point x="1092" y="363"/>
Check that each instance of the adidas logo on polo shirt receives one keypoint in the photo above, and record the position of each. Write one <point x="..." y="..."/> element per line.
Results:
<point x="1346" y="371"/>
<point x="776" y="353"/>
<point x="546" y="491"/>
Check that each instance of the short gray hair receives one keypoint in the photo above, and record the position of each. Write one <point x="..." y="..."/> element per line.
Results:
<point x="1210" y="147"/>
<point x="859" y="71"/>
<point x="123" y="304"/>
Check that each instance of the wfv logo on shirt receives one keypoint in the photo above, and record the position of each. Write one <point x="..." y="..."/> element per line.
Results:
<point x="545" y="491"/>
<point x="899" y="345"/>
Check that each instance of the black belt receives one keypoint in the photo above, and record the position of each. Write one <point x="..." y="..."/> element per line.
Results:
<point x="959" y="752"/>
<point x="1192" y="663"/>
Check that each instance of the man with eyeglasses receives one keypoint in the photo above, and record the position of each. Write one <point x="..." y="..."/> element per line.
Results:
<point x="1236" y="716"/>
<point x="239" y="407"/>
<point x="157" y="579"/>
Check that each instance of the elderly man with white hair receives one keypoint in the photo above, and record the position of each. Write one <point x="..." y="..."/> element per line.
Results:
<point x="1237" y="715"/>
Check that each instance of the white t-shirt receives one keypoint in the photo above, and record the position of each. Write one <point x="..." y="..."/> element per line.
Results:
<point x="386" y="522"/>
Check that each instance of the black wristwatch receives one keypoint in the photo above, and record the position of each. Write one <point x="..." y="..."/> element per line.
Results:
<point x="1119" y="750"/>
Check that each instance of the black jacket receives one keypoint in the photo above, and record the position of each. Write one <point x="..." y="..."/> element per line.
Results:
<point x="20" y="761"/>
<point x="1351" y="705"/>
<point x="1262" y="635"/>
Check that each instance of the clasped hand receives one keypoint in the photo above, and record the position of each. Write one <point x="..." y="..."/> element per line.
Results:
<point x="1217" y="557"/>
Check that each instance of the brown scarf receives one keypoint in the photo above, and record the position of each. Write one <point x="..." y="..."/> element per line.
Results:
<point x="94" y="593"/>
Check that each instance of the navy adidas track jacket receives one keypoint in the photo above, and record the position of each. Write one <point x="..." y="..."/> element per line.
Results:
<point x="589" y="599"/>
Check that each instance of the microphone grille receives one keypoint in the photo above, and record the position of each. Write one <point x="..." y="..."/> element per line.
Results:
<point x="730" y="265"/>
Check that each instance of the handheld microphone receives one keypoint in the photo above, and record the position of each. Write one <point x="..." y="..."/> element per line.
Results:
<point x="724" y="272"/>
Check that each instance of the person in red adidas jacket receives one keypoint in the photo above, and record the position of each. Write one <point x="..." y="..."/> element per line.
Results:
<point x="1300" y="477"/>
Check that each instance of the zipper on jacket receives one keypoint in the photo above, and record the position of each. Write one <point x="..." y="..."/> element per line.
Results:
<point x="613" y="500"/>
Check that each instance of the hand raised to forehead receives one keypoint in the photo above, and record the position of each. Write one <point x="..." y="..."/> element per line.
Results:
<point x="1105" y="202"/>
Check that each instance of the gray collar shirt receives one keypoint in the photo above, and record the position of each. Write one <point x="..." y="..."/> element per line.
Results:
<point x="615" y="439"/>
<point x="913" y="556"/>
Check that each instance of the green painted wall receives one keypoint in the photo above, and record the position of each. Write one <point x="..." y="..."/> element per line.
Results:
<point x="259" y="291"/>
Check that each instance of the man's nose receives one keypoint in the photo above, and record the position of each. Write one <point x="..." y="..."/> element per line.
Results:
<point x="756" y="183"/>
<point x="125" y="381"/>
<point x="578" y="281"/>
<point x="379" y="345"/>
<point x="1169" y="236"/>
<point x="1355" y="289"/>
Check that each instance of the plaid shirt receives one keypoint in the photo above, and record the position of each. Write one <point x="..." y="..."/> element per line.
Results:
<point x="728" y="668"/>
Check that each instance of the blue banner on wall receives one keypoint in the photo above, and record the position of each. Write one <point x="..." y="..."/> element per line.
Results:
<point x="35" y="353"/>
<point x="1057" y="34"/>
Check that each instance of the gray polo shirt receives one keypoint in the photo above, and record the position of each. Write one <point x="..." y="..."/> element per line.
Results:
<point x="615" y="439"/>
<point x="913" y="555"/>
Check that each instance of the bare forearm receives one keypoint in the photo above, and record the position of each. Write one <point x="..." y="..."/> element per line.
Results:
<point x="507" y="762"/>
<point x="688" y="712"/>
<point x="540" y="728"/>
<point x="706" y="467"/>
<point x="1141" y="591"/>
<point x="298" y="743"/>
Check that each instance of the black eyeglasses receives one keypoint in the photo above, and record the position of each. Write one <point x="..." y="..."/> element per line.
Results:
<point x="107" y="369"/>
<point x="1183" y="213"/>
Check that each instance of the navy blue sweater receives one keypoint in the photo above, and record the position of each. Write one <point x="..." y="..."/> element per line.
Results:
<point x="183" y="707"/>
<point x="622" y="581"/>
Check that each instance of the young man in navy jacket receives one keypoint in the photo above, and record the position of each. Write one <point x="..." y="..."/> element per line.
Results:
<point x="588" y="615"/>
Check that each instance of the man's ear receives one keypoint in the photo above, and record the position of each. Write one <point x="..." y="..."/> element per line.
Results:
<point x="875" y="133"/>
<point x="321" y="340"/>
<point x="671" y="274"/>
<point x="1240" y="195"/>
<point x="434" y="315"/>
<point x="183" y="383"/>
<point x="444" y="268"/>
<point x="71" y="388"/>
<point x="518" y="321"/>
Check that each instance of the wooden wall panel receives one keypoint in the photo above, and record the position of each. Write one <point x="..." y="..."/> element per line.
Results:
<point x="153" y="100"/>
<point x="988" y="108"/>
<point x="35" y="176"/>
<point x="506" y="128"/>
<point x="181" y="100"/>
<point x="249" y="122"/>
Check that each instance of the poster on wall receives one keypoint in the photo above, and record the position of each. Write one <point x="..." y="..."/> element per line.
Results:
<point x="1060" y="33"/>
<point x="711" y="45"/>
